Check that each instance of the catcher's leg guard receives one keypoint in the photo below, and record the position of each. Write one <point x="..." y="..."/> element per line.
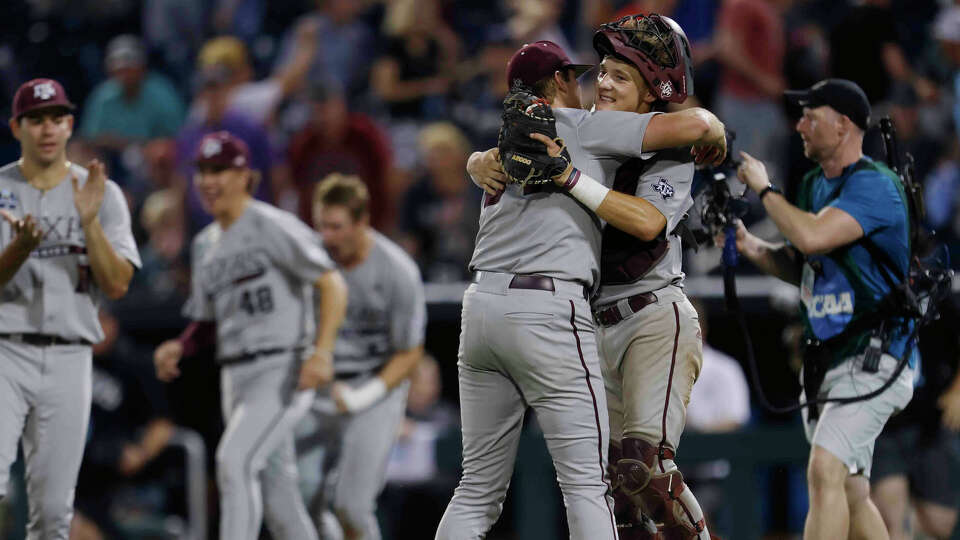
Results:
<point x="631" y="523"/>
<point x="649" y="477"/>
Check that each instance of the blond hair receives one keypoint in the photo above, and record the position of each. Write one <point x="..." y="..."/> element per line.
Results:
<point x="443" y="133"/>
<point x="224" y="50"/>
<point x="343" y="190"/>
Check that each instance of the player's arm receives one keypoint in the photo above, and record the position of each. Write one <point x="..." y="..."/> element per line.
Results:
<point x="631" y="214"/>
<point x="332" y="290"/>
<point x="111" y="272"/>
<point x="696" y="127"/>
<point x="26" y="237"/>
<point x="625" y="134"/>
<point x="812" y="234"/>
<point x="485" y="170"/>
<point x="408" y="320"/>
<point x="166" y="358"/>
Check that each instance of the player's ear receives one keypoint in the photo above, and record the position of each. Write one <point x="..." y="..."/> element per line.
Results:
<point x="15" y="127"/>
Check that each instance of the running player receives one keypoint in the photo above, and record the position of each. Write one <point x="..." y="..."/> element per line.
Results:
<point x="254" y="270"/>
<point x="343" y="452"/>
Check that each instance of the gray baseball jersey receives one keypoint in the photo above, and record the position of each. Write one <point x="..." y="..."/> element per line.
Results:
<point x="256" y="280"/>
<point x="533" y="348"/>
<point x="630" y="266"/>
<point x="54" y="291"/>
<point x="386" y="311"/>
<point x="545" y="231"/>
<point x="342" y="458"/>
<point x="45" y="390"/>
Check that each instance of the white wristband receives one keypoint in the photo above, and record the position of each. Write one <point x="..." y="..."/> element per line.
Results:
<point x="586" y="190"/>
<point x="362" y="397"/>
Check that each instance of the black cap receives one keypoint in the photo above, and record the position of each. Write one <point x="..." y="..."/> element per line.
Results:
<point x="842" y="95"/>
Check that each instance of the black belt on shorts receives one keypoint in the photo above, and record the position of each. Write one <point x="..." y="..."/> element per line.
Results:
<point x="539" y="283"/>
<point x="610" y="314"/>
<point x="251" y="356"/>
<point x="42" y="340"/>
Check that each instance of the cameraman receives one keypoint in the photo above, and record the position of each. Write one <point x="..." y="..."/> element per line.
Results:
<point x="847" y="246"/>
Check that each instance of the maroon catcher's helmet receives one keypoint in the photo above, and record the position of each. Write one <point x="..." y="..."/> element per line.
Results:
<point x="657" y="46"/>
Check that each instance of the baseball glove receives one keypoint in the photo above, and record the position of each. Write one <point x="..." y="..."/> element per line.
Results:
<point x="525" y="160"/>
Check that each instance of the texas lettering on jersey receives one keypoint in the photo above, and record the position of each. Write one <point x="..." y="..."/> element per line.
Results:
<point x="62" y="235"/>
<point x="221" y="273"/>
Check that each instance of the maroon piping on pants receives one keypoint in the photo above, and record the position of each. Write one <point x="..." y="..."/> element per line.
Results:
<point x="666" y="401"/>
<point x="596" y="412"/>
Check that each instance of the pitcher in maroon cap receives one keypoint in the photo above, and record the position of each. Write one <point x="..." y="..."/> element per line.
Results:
<point x="66" y="245"/>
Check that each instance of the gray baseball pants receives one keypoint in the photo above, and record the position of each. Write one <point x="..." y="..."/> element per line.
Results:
<point x="45" y="399"/>
<point x="256" y="465"/>
<point x="342" y="460"/>
<point x="524" y="348"/>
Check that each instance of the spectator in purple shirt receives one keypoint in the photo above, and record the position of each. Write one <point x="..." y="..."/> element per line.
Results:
<point x="213" y="96"/>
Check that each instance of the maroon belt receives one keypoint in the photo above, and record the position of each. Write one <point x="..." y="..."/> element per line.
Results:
<point x="532" y="281"/>
<point x="539" y="283"/>
<point x="611" y="315"/>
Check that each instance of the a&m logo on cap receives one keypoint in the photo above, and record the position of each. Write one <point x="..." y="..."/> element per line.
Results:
<point x="44" y="91"/>
<point x="666" y="89"/>
<point x="211" y="147"/>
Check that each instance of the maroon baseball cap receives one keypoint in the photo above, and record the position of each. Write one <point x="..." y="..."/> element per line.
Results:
<point x="538" y="60"/>
<point x="39" y="94"/>
<point x="222" y="149"/>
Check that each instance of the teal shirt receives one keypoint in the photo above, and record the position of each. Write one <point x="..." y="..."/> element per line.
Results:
<point x="157" y="111"/>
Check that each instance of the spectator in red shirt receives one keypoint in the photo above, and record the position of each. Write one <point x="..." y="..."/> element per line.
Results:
<point x="336" y="139"/>
<point x="750" y="44"/>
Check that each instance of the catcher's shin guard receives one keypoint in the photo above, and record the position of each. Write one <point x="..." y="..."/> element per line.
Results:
<point x="631" y="523"/>
<point x="649" y="477"/>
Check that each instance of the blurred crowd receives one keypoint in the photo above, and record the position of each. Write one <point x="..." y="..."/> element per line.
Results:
<point x="400" y="92"/>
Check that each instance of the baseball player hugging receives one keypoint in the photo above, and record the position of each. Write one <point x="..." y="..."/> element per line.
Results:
<point x="647" y="333"/>
<point x="344" y="443"/>
<point x="255" y="269"/>
<point x="66" y="244"/>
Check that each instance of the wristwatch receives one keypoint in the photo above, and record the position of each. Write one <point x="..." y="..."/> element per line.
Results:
<point x="768" y="189"/>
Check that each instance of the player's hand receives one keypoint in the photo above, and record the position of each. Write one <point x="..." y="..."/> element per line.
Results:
<point x="316" y="371"/>
<point x="553" y="150"/>
<point x="485" y="170"/>
<point x="88" y="198"/>
<point x="26" y="232"/>
<point x="753" y="173"/>
<point x="132" y="459"/>
<point x="949" y="402"/>
<point x="166" y="360"/>
<point x="337" y="391"/>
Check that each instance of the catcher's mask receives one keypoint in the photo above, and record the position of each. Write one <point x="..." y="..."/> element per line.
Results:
<point x="657" y="46"/>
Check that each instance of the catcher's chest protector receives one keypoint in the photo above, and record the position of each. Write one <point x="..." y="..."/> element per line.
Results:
<point x="625" y="258"/>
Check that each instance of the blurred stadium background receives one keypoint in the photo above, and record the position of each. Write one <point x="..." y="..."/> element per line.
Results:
<point x="400" y="92"/>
